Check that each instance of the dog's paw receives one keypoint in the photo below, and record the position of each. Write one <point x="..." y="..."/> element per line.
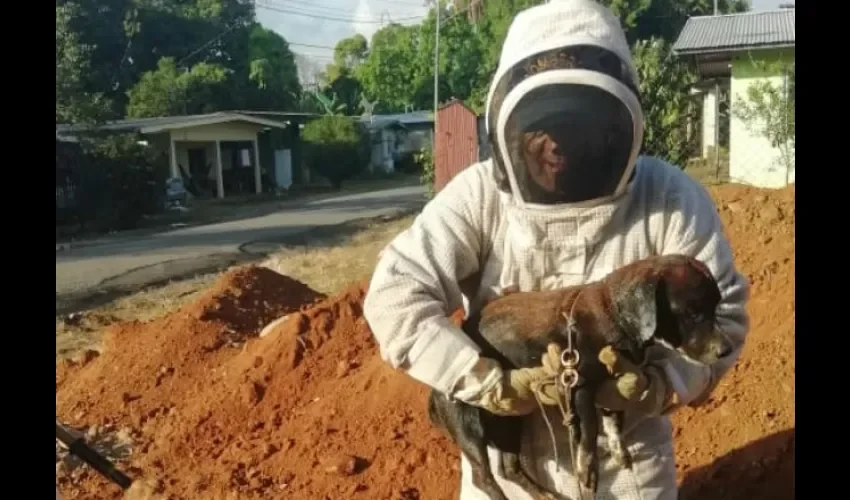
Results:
<point x="622" y="457"/>
<point x="587" y="469"/>
<point x="618" y="450"/>
<point x="590" y="479"/>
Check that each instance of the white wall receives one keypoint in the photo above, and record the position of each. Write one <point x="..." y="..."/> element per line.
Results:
<point x="752" y="159"/>
<point x="709" y="120"/>
<point x="233" y="131"/>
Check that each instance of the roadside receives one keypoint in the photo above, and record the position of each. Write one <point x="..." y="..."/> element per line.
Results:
<point x="327" y="258"/>
<point x="133" y="263"/>
<point x="206" y="212"/>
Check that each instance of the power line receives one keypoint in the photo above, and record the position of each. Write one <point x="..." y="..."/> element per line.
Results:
<point x="396" y="2"/>
<point x="329" y="18"/>
<point x="320" y="6"/>
<point x="207" y="44"/>
<point x="316" y="56"/>
<point x="331" y="57"/>
<point x="310" y="45"/>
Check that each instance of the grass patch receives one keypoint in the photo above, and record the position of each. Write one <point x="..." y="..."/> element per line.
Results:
<point x="329" y="269"/>
<point x="708" y="171"/>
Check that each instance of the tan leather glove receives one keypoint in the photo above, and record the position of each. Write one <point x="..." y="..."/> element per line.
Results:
<point x="512" y="392"/>
<point x="643" y="392"/>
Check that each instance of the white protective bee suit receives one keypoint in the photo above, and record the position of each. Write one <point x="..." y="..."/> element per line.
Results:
<point x="480" y="235"/>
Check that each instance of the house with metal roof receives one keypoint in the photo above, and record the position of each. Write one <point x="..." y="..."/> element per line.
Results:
<point x="233" y="152"/>
<point x="733" y="52"/>
<point x="394" y="136"/>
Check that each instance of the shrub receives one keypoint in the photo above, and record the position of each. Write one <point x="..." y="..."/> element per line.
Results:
<point x="336" y="147"/>
<point x="407" y="164"/>
<point x="425" y="159"/>
<point x="116" y="182"/>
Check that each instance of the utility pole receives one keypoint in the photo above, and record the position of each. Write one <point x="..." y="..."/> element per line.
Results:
<point x="437" y="63"/>
<point x="716" y="116"/>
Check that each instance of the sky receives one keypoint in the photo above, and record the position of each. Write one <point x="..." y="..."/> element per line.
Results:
<point x="313" y="27"/>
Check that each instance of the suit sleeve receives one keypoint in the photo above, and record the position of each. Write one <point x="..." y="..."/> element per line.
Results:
<point x="415" y="286"/>
<point x="694" y="228"/>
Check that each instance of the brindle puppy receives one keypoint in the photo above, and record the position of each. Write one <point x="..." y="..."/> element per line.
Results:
<point x="670" y="300"/>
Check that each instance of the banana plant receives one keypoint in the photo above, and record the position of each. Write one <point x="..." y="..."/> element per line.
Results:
<point x="332" y="106"/>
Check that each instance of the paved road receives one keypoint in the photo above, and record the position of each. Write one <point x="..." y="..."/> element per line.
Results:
<point x="135" y="261"/>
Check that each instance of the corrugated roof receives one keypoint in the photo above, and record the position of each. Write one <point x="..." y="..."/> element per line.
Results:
<point x="165" y="122"/>
<point x="731" y="32"/>
<point x="378" y="122"/>
<point x="134" y="124"/>
<point x="408" y="118"/>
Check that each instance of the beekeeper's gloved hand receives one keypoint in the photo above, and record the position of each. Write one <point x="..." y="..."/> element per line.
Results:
<point x="641" y="392"/>
<point x="511" y="392"/>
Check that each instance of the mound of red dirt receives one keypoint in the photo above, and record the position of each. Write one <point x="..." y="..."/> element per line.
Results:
<point x="740" y="445"/>
<point x="310" y="411"/>
<point x="150" y="368"/>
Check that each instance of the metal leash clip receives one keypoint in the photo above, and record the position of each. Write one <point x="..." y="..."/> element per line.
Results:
<point x="569" y="358"/>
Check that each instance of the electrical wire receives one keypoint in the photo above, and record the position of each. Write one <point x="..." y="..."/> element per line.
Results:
<point x="335" y="19"/>
<point x="324" y="7"/>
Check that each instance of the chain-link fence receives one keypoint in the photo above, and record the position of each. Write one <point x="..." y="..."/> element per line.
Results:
<point x="739" y="130"/>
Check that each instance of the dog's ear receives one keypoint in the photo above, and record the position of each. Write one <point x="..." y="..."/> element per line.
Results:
<point x="637" y="308"/>
<point x="645" y="310"/>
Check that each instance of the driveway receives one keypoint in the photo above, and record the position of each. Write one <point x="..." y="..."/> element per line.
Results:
<point x="135" y="262"/>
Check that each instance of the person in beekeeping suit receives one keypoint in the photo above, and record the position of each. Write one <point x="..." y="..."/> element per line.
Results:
<point x="564" y="200"/>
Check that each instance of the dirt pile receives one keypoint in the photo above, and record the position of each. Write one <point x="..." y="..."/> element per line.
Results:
<point x="740" y="445"/>
<point x="310" y="411"/>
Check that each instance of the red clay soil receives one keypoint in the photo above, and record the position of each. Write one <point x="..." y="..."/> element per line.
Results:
<point x="311" y="412"/>
<point x="740" y="445"/>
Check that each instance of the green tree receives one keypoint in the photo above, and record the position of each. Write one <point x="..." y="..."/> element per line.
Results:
<point x="769" y="110"/>
<point x="170" y="90"/>
<point x="336" y="147"/>
<point x="349" y="53"/>
<point x="341" y="84"/>
<point x="392" y="73"/>
<point x="126" y="39"/>
<point x="646" y="19"/>
<point x="665" y="83"/>
<point x="461" y="51"/>
<point x="399" y="70"/>
<point x="272" y="71"/>
<point x="425" y="160"/>
<point x="105" y="30"/>
<point x="74" y="103"/>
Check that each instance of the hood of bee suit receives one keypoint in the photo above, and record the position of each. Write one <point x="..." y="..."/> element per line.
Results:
<point x="565" y="74"/>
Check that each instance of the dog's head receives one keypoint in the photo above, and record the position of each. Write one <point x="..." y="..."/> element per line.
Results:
<point x="671" y="300"/>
